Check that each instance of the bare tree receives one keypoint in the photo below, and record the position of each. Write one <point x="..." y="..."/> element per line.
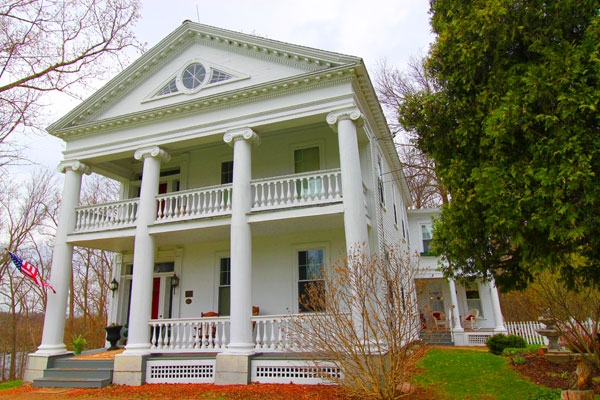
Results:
<point x="392" y="85"/>
<point x="56" y="45"/>
<point x="24" y="219"/>
<point x="368" y="323"/>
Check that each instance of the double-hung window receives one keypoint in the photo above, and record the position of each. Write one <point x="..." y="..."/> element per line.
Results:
<point x="224" y="286"/>
<point x="427" y="235"/>
<point x="311" y="285"/>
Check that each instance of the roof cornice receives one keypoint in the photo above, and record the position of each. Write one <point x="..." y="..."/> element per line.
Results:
<point x="181" y="38"/>
<point x="204" y="104"/>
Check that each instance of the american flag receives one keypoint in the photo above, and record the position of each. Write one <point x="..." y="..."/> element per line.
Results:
<point x="29" y="270"/>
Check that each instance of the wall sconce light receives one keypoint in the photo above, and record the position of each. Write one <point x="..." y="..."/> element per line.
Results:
<point x="114" y="285"/>
<point x="174" y="281"/>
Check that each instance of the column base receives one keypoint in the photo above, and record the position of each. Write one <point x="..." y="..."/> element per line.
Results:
<point x="137" y="349"/>
<point x="129" y="369"/>
<point x="51" y="349"/>
<point x="240" y="349"/>
<point x="232" y="369"/>
<point x="38" y="363"/>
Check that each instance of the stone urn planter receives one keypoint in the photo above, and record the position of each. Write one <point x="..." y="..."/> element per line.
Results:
<point x="113" y="335"/>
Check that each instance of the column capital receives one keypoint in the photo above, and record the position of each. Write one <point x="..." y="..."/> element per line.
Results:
<point x="352" y="114"/>
<point x="76" y="166"/>
<point x="245" y="133"/>
<point x="153" y="151"/>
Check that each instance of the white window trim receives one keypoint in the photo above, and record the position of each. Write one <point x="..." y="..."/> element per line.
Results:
<point x="296" y="276"/>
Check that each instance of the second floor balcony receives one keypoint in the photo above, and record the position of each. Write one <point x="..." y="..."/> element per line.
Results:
<point x="280" y="193"/>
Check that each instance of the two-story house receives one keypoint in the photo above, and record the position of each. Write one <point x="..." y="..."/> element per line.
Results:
<point x="245" y="165"/>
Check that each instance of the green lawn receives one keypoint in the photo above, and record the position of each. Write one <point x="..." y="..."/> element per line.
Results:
<point x="457" y="374"/>
<point x="9" y="385"/>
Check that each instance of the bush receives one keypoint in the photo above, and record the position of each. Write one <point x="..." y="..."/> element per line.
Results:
<point x="545" y="394"/>
<point x="530" y="349"/>
<point x="500" y="341"/>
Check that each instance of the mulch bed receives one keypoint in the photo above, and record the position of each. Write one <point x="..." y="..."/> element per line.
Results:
<point x="556" y="375"/>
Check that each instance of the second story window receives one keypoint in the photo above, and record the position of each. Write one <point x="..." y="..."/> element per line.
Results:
<point x="306" y="160"/>
<point x="380" y="181"/>
<point x="226" y="172"/>
<point x="427" y="234"/>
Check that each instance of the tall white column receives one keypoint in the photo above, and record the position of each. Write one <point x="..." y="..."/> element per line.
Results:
<point x="456" y="324"/>
<point x="62" y="257"/>
<point x="241" y="341"/>
<point x="138" y="339"/>
<point x="355" y="219"/>
<point x="498" y="318"/>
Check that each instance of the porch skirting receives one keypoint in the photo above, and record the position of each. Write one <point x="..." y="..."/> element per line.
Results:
<point x="263" y="369"/>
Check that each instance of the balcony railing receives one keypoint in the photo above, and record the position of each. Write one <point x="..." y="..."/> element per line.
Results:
<point x="194" y="203"/>
<point x="211" y="334"/>
<point x="296" y="190"/>
<point x="117" y="214"/>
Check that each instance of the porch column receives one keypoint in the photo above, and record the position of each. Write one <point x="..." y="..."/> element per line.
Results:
<point x="138" y="339"/>
<point x="456" y="324"/>
<point x="355" y="219"/>
<point x="241" y="341"/>
<point x="498" y="318"/>
<point x="62" y="256"/>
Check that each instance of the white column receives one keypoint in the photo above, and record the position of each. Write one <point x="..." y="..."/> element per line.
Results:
<point x="355" y="220"/>
<point x="498" y="318"/>
<point x="241" y="341"/>
<point x="138" y="339"/>
<point x="457" y="326"/>
<point x="62" y="257"/>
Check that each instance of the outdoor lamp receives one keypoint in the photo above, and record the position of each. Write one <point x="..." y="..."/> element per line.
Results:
<point x="114" y="285"/>
<point x="174" y="281"/>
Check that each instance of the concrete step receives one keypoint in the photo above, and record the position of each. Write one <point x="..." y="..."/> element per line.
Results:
<point x="437" y="338"/>
<point x="103" y="373"/>
<point x="77" y="373"/>
<point x="82" y="363"/>
<point x="71" y="382"/>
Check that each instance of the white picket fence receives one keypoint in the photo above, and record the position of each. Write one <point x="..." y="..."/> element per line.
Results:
<point x="528" y="331"/>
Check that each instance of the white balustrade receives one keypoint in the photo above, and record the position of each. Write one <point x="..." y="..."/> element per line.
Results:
<point x="298" y="189"/>
<point x="116" y="214"/>
<point x="212" y="201"/>
<point x="314" y="188"/>
<point x="211" y="334"/>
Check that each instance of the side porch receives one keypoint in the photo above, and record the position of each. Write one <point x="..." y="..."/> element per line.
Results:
<point x="458" y="314"/>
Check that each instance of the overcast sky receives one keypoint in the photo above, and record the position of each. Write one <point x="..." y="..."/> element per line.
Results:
<point x="395" y="30"/>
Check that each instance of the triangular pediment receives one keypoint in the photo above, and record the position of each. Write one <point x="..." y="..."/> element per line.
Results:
<point x="201" y="63"/>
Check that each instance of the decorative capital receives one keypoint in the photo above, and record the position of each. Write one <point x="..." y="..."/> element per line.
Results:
<point x="76" y="166"/>
<point x="153" y="151"/>
<point x="245" y="133"/>
<point x="353" y="114"/>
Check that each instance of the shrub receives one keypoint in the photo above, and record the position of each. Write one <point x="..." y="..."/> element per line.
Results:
<point x="517" y="360"/>
<point x="545" y="394"/>
<point x="500" y="341"/>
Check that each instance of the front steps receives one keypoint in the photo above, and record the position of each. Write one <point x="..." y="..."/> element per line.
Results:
<point x="70" y="372"/>
<point x="436" y="338"/>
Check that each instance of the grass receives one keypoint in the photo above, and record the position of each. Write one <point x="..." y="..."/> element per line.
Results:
<point x="9" y="385"/>
<point x="455" y="374"/>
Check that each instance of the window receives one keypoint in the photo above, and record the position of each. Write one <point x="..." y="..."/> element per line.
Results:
<point x="307" y="160"/>
<point x="193" y="76"/>
<point x="310" y="280"/>
<point x="473" y="297"/>
<point x="380" y="181"/>
<point x="394" y="207"/>
<point x="427" y="235"/>
<point x="224" y="286"/>
<point x="226" y="172"/>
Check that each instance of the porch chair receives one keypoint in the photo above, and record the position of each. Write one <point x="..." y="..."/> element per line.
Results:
<point x="439" y="319"/>
<point x="471" y="318"/>
<point x="210" y="337"/>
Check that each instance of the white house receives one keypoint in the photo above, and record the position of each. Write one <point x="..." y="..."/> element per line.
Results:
<point x="244" y="163"/>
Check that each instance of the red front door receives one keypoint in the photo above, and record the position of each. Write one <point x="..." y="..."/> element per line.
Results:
<point x="155" y="297"/>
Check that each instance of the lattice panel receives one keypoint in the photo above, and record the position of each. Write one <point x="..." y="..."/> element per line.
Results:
<point x="300" y="372"/>
<point x="180" y="371"/>
<point x="478" y="339"/>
